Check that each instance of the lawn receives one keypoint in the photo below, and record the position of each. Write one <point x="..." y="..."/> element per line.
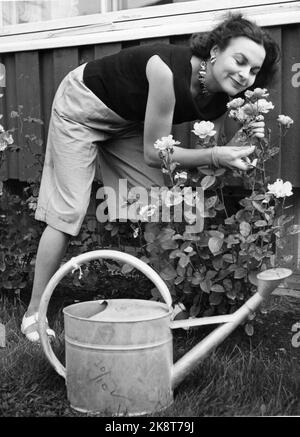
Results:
<point x="245" y="376"/>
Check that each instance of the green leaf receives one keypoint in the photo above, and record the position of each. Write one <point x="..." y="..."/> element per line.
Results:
<point x="207" y="182"/>
<point x="8" y="285"/>
<point x="251" y="238"/>
<point x="230" y="220"/>
<point x="231" y="294"/>
<point x="249" y="329"/>
<point x="194" y="310"/>
<point x="205" y="285"/>
<point x="260" y="223"/>
<point x="245" y="229"/>
<point x="227" y="284"/>
<point x="149" y="237"/>
<point x="218" y="262"/>
<point x="217" y="234"/>
<point x="215" y="244"/>
<point x="165" y="234"/>
<point x="220" y="171"/>
<point x="207" y="171"/>
<point x="127" y="268"/>
<point x="210" y="202"/>
<point x="258" y="207"/>
<point x="169" y="244"/>
<point x="175" y="254"/>
<point x="114" y="231"/>
<point x="258" y="197"/>
<point x="178" y="280"/>
<point x="155" y="293"/>
<point x="211" y="274"/>
<point x="215" y="298"/>
<point x="168" y="273"/>
<point x="240" y="272"/>
<point x="180" y="270"/>
<point x="184" y="260"/>
<point x="145" y="259"/>
<point x="217" y="288"/>
<point x="197" y="278"/>
<point x="231" y="240"/>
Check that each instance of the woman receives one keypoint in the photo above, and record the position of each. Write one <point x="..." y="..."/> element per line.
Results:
<point x="122" y="104"/>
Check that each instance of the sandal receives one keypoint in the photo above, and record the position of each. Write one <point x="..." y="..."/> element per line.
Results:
<point x="29" y="328"/>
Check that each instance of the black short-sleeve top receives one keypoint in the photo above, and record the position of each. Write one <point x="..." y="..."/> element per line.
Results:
<point x="120" y="81"/>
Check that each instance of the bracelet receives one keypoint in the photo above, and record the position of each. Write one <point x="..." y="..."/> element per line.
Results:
<point x="214" y="158"/>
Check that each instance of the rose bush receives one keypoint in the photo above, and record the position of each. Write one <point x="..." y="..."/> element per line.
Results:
<point x="213" y="271"/>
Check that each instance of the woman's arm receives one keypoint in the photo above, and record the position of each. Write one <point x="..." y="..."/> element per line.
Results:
<point x="159" y="117"/>
<point x="158" y="123"/>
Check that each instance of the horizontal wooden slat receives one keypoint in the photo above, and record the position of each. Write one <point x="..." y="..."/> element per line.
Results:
<point x="168" y="10"/>
<point x="152" y="27"/>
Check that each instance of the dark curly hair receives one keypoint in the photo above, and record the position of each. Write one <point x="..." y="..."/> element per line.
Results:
<point x="236" y="26"/>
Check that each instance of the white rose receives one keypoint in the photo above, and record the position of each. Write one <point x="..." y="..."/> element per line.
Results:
<point x="181" y="176"/>
<point x="147" y="211"/>
<point x="285" y="120"/>
<point x="239" y="114"/>
<point x="190" y="217"/>
<point x="235" y="103"/>
<point x="260" y="92"/>
<point x="204" y="129"/>
<point x="280" y="188"/>
<point x="257" y="93"/>
<point x="264" y="106"/>
<point x="172" y="198"/>
<point x="165" y="143"/>
<point x="3" y="146"/>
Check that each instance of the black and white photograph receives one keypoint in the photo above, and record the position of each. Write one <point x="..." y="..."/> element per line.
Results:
<point x="149" y="211"/>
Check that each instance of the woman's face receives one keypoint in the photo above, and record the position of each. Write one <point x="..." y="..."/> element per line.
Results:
<point x="236" y="67"/>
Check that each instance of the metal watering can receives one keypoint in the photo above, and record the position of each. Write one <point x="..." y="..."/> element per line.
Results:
<point x="119" y="355"/>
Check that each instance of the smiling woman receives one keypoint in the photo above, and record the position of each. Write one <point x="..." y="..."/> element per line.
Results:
<point x="236" y="66"/>
<point x="118" y="105"/>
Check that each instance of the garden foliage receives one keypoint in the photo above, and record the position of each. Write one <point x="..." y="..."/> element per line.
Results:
<point x="210" y="272"/>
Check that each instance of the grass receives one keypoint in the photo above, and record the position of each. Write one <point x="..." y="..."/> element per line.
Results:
<point x="240" y="378"/>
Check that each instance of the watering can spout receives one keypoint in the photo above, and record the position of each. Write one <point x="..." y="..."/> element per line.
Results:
<point x="267" y="281"/>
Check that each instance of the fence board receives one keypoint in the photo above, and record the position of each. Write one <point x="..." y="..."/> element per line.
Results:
<point x="9" y="103"/>
<point x="291" y="102"/>
<point x="27" y="78"/>
<point x="54" y="64"/>
<point x="64" y="60"/>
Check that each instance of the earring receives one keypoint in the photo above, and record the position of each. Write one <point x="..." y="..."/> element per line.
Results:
<point x="213" y="59"/>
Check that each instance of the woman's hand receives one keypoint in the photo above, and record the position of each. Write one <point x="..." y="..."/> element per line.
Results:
<point x="257" y="129"/>
<point x="232" y="156"/>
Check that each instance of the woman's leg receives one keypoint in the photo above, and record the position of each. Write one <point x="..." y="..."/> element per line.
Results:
<point x="52" y="247"/>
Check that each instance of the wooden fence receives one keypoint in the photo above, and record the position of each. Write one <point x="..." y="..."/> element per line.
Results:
<point x="32" y="78"/>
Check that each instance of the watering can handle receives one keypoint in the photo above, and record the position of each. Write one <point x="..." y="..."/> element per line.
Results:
<point x="75" y="263"/>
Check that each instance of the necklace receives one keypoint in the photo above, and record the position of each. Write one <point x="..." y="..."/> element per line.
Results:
<point x="201" y="78"/>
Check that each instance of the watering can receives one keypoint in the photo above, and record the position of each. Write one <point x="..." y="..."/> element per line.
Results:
<point x="119" y="356"/>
